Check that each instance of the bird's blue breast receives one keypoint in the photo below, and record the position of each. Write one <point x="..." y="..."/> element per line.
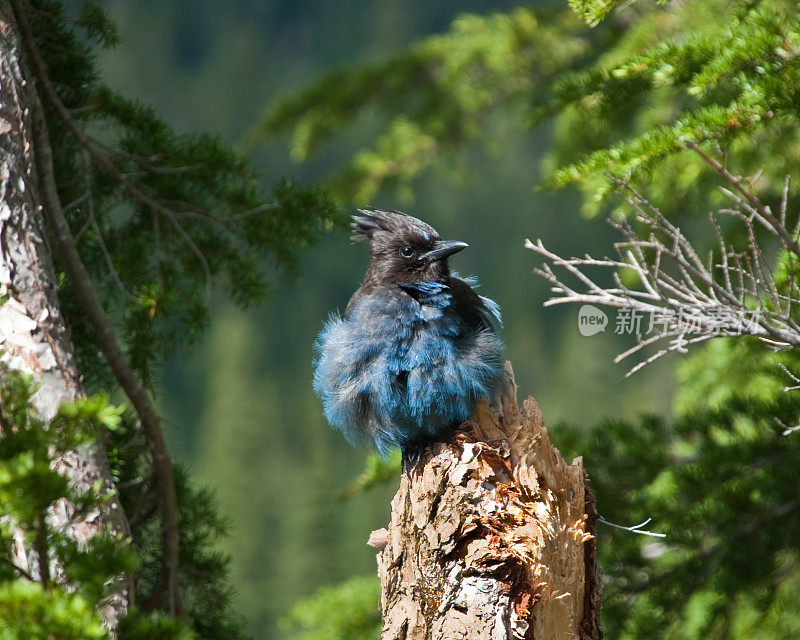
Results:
<point x="401" y="369"/>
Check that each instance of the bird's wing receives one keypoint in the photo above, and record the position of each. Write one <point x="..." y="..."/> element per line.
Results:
<point x="458" y="297"/>
<point x="490" y="311"/>
<point x="434" y="294"/>
<point x="478" y="311"/>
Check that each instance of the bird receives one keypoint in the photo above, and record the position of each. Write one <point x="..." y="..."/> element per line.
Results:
<point x="417" y="347"/>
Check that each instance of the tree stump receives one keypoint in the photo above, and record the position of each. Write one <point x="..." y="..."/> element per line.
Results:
<point x="491" y="536"/>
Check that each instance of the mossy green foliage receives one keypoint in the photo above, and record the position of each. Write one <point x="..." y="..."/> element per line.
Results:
<point x="29" y="486"/>
<point x="28" y="611"/>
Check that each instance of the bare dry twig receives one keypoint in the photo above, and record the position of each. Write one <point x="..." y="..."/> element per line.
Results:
<point x="683" y="298"/>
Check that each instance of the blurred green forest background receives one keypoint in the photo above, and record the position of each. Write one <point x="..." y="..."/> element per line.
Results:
<point x="240" y="407"/>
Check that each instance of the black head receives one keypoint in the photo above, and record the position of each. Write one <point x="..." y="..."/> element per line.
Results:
<point x="402" y="248"/>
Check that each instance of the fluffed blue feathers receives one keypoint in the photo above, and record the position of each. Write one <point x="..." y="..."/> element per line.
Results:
<point x="417" y="347"/>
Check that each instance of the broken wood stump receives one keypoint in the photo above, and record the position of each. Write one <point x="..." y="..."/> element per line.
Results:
<point x="491" y="536"/>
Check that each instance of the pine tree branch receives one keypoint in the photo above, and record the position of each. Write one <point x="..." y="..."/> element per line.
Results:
<point x="101" y="243"/>
<point x="15" y="567"/>
<point x="92" y="307"/>
<point x="90" y="144"/>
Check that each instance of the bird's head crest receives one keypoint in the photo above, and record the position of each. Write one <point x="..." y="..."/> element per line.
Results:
<point x="371" y="222"/>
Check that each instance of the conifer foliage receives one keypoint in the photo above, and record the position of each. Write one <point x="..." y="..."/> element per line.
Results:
<point x="160" y="218"/>
<point x="64" y="606"/>
<point x="145" y="223"/>
<point x="620" y="96"/>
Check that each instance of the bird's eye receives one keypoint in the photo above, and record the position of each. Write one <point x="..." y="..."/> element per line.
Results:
<point x="406" y="252"/>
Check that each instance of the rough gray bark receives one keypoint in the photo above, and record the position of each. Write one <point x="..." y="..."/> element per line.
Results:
<point x="33" y="336"/>
<point x="491" y="537"/>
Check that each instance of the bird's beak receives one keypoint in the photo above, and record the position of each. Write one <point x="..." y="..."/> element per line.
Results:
<point x="444" y="249"/>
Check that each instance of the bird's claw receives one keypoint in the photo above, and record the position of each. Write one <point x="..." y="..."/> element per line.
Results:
<point x="412" y="456"/>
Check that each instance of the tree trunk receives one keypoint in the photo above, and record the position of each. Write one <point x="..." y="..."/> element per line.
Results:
<point x="491" y="537"/>
<point x="33" y="335"/>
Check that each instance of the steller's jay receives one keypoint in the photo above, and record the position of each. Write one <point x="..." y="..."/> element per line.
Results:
<point x="417" y="347"/>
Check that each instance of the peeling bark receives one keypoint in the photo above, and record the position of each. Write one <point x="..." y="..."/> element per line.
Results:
<point x="33" y="335"/>
<point x="491" y="536"/>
